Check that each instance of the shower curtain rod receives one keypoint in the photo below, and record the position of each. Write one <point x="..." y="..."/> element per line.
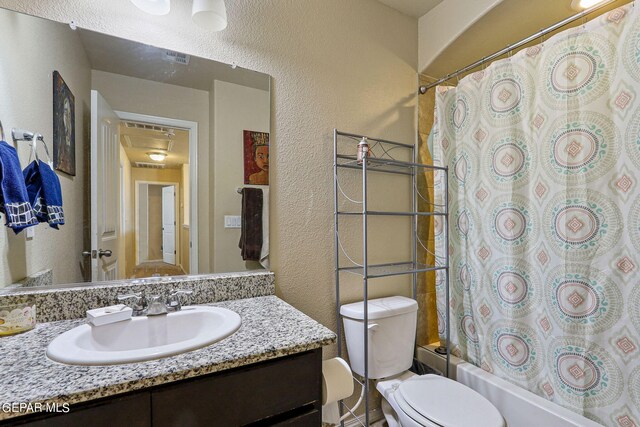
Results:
<point x="424" y="88"/>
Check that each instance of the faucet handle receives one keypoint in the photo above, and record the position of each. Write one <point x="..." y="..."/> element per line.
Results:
<point x="173" y="302"/>
<point x="139" y="304"/>
<point x="133" y="295"/>
<point x="154" y="298"/>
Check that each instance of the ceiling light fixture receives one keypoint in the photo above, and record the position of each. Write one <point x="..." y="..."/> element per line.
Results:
<point x="153" y="7"/>
<point x="209" y="14"/>
<point x="157" y="157"/>
<point x="584" y="4"/>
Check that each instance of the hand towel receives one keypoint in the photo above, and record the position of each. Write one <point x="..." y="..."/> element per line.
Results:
<point x="14" y="200"/>
<point x="45" y="194"/>
<point x="264" y="253"/>
<point x="251" y="234"/>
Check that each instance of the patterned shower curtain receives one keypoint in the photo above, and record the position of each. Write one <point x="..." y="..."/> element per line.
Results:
<point x="543" y="150"/>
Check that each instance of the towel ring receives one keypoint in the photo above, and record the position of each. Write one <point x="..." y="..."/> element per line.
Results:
<point x="34" y="148"/>
<point x="46" y="149"/>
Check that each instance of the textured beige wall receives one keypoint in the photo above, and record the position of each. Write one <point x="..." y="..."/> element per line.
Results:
<point x="158" y="99"/>
<point x="30" y="53"/>
<point x="335" y="63"/>
<point x="443" y="24"/>
<point x="237" y="108"/>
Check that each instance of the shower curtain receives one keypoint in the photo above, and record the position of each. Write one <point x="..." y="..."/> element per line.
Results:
<point x="543" y="150"/>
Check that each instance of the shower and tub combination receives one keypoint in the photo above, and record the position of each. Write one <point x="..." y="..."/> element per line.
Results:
<point x="542" y="289"/>
<point x="543" y="150"/>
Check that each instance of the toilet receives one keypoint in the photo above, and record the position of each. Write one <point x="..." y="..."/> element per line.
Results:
<point x="409" y="400"/>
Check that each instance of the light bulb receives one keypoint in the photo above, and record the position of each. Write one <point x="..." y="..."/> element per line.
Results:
<point x="158" y="157"/>
<point x="584" y="4"/>
<point x="209" y="14"/>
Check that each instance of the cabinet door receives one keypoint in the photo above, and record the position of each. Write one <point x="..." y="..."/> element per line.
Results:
<point x="242" y="396"/>
<point x="131" y="411"/>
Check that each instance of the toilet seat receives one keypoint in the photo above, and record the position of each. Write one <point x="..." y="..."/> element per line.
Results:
<point x="436" y="400"/>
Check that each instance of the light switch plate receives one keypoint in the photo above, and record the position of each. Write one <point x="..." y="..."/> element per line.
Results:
<point x="232" y="221"/>
<point x="31" y="233"/>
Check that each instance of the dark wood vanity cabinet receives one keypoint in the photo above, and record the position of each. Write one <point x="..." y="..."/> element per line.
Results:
<point x="280" y="392"/>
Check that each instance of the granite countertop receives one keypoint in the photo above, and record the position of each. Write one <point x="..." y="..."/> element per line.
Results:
<point x="270" y="328"/>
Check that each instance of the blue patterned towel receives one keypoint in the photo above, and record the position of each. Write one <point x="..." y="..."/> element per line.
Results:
<point x="45" y="194"/>
<point x="14" y="201"/>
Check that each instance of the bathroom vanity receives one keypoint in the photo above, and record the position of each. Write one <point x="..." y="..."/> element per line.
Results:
<point x="267" y="373"/>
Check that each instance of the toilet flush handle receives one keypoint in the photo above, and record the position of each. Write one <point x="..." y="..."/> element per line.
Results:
<point x="373" y="327"/>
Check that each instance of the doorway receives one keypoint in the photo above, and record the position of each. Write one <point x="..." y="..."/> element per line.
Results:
<point x="157" y="235"/>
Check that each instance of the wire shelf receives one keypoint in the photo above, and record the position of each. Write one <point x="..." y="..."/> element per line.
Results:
<point x="384" y="165"/>
<point x="391" y="269"/>
<point x="389" y="213"/>
<point x="382" y="158"/>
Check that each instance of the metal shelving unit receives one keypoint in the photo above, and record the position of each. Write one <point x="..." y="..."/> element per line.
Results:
<point x="385" y="162"/>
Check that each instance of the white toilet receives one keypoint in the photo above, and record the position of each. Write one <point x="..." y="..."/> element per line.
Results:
<point x="409" y="400"/>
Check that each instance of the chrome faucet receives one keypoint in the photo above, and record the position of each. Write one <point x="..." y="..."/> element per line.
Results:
<point x="154" y="305"/>
<point x="173" y="302"/>
<point x="139" y="305"/>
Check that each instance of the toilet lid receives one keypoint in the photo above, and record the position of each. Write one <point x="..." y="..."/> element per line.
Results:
<point x="446" y="403"/>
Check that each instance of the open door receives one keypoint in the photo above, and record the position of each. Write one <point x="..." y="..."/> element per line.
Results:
<point x="105" y="189"/>
<point x="169" y="225"/>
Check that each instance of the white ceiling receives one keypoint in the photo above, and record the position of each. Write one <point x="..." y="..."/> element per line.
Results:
<point x="415" y="8"/>
<point x="129" y="58"/>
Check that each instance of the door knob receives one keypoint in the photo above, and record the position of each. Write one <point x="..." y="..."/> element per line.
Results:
<point x="106" y="253"/>
<point x="86" y="253"/>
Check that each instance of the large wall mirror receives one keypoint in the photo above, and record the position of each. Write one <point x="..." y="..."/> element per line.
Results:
<point x="162" y="157"/>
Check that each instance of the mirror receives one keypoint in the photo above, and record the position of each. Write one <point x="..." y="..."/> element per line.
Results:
<point x="158" y="154"/>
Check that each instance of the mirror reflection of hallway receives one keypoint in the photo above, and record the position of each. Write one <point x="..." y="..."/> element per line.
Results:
<point x="155" y="175"/>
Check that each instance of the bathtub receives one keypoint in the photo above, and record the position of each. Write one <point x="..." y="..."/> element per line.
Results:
<point x="520" y="407"/>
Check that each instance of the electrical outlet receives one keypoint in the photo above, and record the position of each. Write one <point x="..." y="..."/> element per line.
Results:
<point x="232" y="221"/>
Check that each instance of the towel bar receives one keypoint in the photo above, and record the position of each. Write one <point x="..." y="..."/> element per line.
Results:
<point x="21" y="135"/>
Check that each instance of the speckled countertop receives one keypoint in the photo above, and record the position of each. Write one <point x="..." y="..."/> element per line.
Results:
<point x="270" y="328"/>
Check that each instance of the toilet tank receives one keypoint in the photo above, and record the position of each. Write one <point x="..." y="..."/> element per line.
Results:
<point x="391" y="335"/>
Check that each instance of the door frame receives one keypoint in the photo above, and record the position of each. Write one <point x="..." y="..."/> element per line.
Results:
<point x="178" y="233"/>
<point x="192" y="127"/>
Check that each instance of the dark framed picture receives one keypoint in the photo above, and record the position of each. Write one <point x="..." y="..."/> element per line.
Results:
<point x="64" y="127"/>
<point x="256" y="158"/>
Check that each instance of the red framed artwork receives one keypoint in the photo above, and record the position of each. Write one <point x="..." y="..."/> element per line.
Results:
<point x="256" y="157"/>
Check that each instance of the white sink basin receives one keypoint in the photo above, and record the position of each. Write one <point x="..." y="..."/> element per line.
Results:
<point x="144" y="338"/>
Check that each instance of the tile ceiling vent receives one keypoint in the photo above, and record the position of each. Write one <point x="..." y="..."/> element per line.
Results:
<point x="146" y="126"/>
<point x="149" y="165"/>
